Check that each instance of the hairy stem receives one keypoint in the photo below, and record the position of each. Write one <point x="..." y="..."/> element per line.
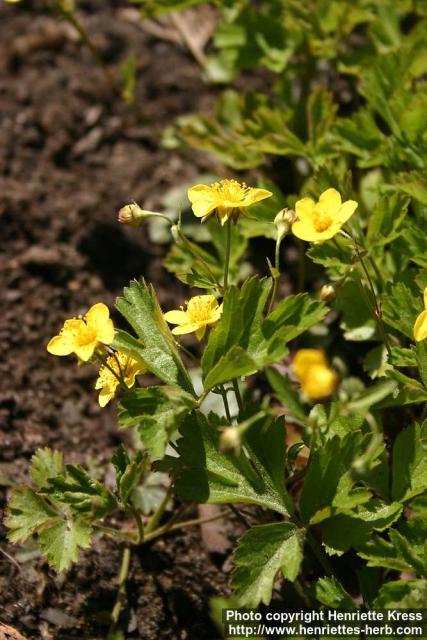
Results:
<point x="157" y="515"/>
<point x="276" y="275"/>
<point x="238" y="395"/>
<point x="227" y="252"/>
<point x="121" y="593"/>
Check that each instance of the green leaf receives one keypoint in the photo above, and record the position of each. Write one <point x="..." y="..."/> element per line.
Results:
<point x="204" y="474"/>
<point x="410" y="462"/>
<point x="421" y="358"/>
<point x="156" y="412"/>
<point x="385" y="221"/>
<point x="346" y="530"/>
<point x="46" y="464"/>
<point x="84" y="494"/>
<point x="282" y="387"/>
<point x="380" y="553"/>
<point x="27" y="513"/>
<point x="414" y="183"/>
<point x="61" y="541"/>
<point x="128" y="471"/>
<point x="245" y="342"/>
<point x="263" y="552"/>
<point x="402" y="594"/>
<point x="155" y="345"/>
<point x="331" y="593"/>
<point x="401" y="306"/>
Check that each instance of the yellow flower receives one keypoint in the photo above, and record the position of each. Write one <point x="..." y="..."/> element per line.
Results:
<point x="226" y="199"/>
<point x="201" y="312"/>
<point x="317" y="378"/>
<point x="124" y="367"/>
<point x="420" y="326"/>
<point x="320" y="221"/>
<point x="84" y="334"/>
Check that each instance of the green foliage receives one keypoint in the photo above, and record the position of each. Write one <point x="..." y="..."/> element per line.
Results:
<point x="254" y="476"/>
<point x="155" y="346"/>
<point x="156" y="413"/>
<point x="244" y="341"/>
<point x="263" y="552"/>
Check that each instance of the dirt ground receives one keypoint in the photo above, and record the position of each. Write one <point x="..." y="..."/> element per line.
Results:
<point x="71" y="154"/>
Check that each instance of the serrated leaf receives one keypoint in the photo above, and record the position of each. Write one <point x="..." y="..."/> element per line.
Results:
<point x="84" y="494"/>
<point x="402" y="594"/>
<point x="282" y="387"/>
<point x="156" y="413"/>
<point x="244" y="341"/>
<point x="61" y="541"/>
<point x="46" y="464"/>
<point x="129" y="475"/>
<point x="27" y="513"/>
<point x="331" y="593"/>
<point x="410" y="462"/>
<point x="204" y="474"/>
<point x="380" y="553"/>
<point x="155" y="345"/>
<point x="263" y="552"/>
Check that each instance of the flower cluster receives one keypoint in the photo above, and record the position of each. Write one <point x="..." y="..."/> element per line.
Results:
<point x="120" y="369"/>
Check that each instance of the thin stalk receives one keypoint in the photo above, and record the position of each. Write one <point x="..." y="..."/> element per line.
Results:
<point x="227" y="252"/>
<point x="121" y="593"/>
<point x="140" y="527"/>
<point x="186" y="351"/>
<point x="116" y="533"/>
<point x="239" y="515"/>
<point x="276" y="275"/>
<point x="377" y="310"/>
<point x="225" y="401"/>
<point x="320" y="555"/>
<point x="87" y="41"/>
<point x="181" y="525"/>
<point x="198" y="255"/>
<point x="156" y="517"/>
<point x="301" y="266"/>
<point x="238" y="395"/>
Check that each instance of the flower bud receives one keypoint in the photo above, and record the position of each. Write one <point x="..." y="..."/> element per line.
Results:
<point x="328" y="292"/>
<point x="230" y="439"/>
<point x="283" y="222"/>
<point x="131" y="214"/>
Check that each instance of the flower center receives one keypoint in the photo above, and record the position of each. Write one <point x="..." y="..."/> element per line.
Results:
<point x="230" y="190"/>
<point x="199" y="310"/>
<point x="86" y="335"/>
<point x="321" y="219"/>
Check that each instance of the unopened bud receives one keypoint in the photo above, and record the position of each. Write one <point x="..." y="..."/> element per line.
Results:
<point x="230" y="439"/>
<point x="328" y="292"/>
<point x="283" y="222"/>
<point x="131" y="214"/>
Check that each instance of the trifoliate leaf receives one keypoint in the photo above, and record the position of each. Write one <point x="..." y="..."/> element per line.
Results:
<point x="263" y="552"/>
<point x="402" y="594"/>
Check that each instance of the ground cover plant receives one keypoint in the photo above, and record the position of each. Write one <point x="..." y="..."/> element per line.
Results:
<point x="319" y="363"/>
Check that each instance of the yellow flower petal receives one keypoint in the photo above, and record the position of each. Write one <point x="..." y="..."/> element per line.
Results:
<point x="187" y="328"/>
<point x="305" y="230"/>
<point x="347" y="209"/>
<point x="203" y="200"/>
<point x="420" y="326"/>
<point x="176" y="317"/>
<point x="98" y="317"/>
<point x="85" y="351"/>
<point x="306" y="358"/>
<point x="425" y="298"/>
<point x="254" y="195"/>
<point x="105" y="396"/>
<point x="304" y="209"/>
<point x="331" y="200"/>
<point x="61" y="345"/>
<point x="320" y="381"/>
<point x="200" y="332"/>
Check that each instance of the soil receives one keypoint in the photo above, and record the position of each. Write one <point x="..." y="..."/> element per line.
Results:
<point x="72" y="154"/>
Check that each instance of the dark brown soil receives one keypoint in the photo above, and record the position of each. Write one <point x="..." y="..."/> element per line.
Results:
<point x="71" y="155"/>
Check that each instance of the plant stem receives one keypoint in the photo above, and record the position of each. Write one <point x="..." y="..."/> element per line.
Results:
<point x="181" y="525"/>
<point x="377" y="309"/>
<point x="140" y="527"/>
<point x="276" y="275"/>
<point x="227" y="252"/>
<point x="123" y="574"/>
<point x="238" y="395"/>
<point x="225" y="401"/>
<point x="156" y="517"/>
